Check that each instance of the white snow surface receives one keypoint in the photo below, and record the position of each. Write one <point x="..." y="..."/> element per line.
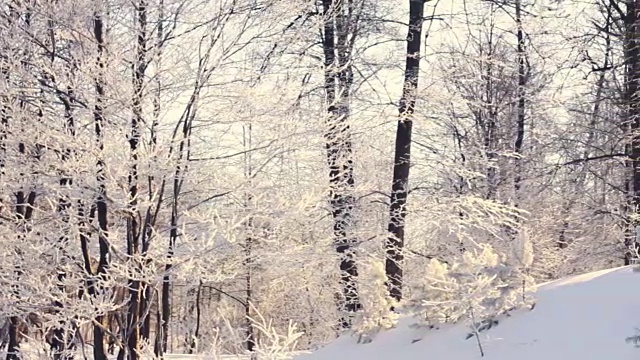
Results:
<point x="586" y="317"/>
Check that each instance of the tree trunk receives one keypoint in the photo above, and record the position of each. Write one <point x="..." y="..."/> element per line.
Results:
<point x="183" y="152"/>
<point x="24" y="201"/>
<point x="99" y="352"/>
<point x="399" y="186"/>
<point x="162" y="315"/>
<point x="12" y="349"/>
<point x="490" y="114"/>
<point x="250" y="341"/>
<point x="134" y="234"/>
<point x="632" y="82"/>
<point x="62" y="343"/>
<point x="193" y="345"/>
<point x="338" y="79"/>
<point x="522" y="80"/>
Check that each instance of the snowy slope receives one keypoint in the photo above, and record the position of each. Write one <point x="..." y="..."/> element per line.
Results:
<point x="587" y="317"/>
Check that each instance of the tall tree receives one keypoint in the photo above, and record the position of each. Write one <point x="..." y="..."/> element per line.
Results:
<point x="18" y="118"/>
<point x="632" y="120"/>
<point x="394" y="245"/>
<point x="339" y="33"/>
<point x="97" y="287"/>
<point x="138" y="232"/>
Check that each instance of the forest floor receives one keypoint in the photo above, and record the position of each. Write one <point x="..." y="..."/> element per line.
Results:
<point x="595" y="316"/>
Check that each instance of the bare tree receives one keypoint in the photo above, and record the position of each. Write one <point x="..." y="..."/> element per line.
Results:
<point x="402" y="159"/>
<point x="632" y="116"/>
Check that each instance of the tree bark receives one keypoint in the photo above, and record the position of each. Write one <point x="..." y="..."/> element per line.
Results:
<point x="99" y="352"/>
<point x="522" y="81"/>
<point x="338" y="79"/>
<point x="399" y="186"/>
<point x="632" y="122"/>
<point x="135" y="237"/>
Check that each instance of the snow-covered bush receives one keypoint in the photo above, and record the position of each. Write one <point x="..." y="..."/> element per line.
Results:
<point x="482" y="284"/>
<point x="271" y="342"/>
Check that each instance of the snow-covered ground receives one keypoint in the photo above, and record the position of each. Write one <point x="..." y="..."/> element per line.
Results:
<point x="587" y="317"/>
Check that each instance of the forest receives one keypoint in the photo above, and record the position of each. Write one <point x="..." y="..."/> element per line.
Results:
<point x="261" y="176"/>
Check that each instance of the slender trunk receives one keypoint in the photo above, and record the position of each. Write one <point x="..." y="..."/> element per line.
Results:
<point x="165" y="315"/>
<point x="338" y="79"/>
<point x="99" y="352"/>
<point x="401" y="164"/>
<point x="193" y="348"/>
<point x="182" y="157"/>
<point x="158" y="343"/>
<point x="491" y="113"/>
<point x="250" y="341"/>
<point x="164" y="312"/>
<point x="183" y="154"/>
<point x="61" y="342"/>
<point x="248" y="263"/>
<point x="160" y="338"/>
<point x="522" y="80"/>
<point x="512" y="230"/>
<point x="136" y="287"/>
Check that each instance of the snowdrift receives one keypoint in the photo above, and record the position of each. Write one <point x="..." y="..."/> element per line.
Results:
<point x="593" y="316"/>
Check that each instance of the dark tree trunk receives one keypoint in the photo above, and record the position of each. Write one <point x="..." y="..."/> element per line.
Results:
<point x="193" y="345"/>
<point x="145" y="331"/>
<point x="165" y="311"/>
<point x="338" y="24"/>
<point x="12" y="349"/>
<point x="162" y="318"/>
<point x="522" y="81"/>
<point x="136" y="301"/>
<point x="632" y="97"/>
<point x="24" y="213"/>
<point x="401" y="164"/>
<point x="62" y="343"/>
<point x="165" y="308"/>
<point x="182" y="155"/>
<point x="24" y="201"/>
<point x="250" y="335"/>
<point x="99" y="352"/>
<point x="250" y="341"/>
